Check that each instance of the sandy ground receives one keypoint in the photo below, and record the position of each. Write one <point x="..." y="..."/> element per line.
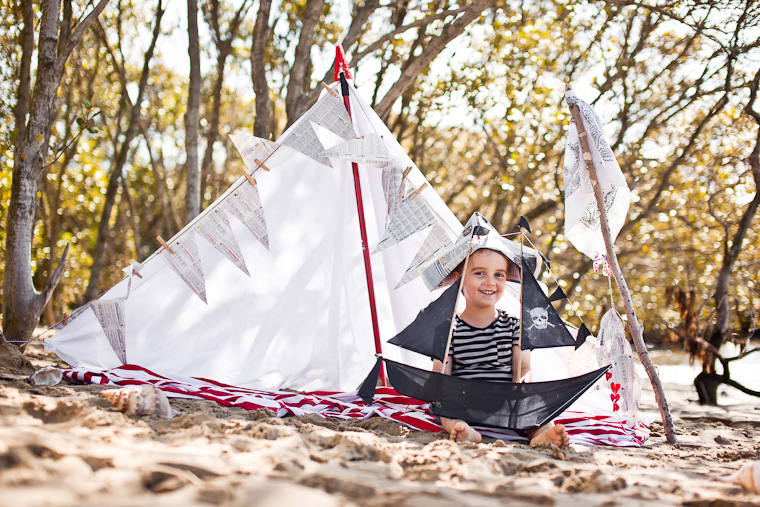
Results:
<point x="67" y="445"/>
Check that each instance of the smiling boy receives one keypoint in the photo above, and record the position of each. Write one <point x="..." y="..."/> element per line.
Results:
<point x="485" y="339"/>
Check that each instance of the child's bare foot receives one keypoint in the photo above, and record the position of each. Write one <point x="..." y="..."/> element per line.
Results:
<point x="551" y="434"/>
<point x="462" y="432"/>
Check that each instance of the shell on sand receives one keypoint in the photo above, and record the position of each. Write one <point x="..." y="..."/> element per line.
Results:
<point x="749" y="476"/>
<point x="143" y="400"/>
<point x="49" y="376"/>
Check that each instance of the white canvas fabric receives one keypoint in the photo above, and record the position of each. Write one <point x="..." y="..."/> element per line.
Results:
<point x="582" y="225"/>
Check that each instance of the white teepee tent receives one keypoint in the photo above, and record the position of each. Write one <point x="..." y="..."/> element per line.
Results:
<point x="301" y="319"/>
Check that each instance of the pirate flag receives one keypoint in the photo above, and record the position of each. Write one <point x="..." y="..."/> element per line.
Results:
<point x="541" y="325"/>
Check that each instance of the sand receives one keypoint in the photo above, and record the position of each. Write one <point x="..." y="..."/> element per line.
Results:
<point x="67" y="445"/>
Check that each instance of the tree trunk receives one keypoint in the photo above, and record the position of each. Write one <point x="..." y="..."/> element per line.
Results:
<point x="258" y="71"/>
<point x="93" y="286"/>
<point x="192" y="164"/>
<point x="299" y="80"/>
<point x="25" y="303"/>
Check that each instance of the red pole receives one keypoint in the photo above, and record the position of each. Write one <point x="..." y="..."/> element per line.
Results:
<point x="363" y="230"/>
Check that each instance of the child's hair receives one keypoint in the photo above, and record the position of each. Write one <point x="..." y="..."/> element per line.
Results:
<point x="513" y="270"/>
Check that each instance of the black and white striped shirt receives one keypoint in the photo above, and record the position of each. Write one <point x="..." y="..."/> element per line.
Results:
<point x="484" y="353"/>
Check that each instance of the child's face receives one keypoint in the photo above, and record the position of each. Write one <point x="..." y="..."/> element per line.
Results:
<point x="485" y="279"/>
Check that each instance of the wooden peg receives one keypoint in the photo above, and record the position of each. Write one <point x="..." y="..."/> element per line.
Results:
<point x="332" y="92"/>
<point x="247" y="176"/>
<point x="261" y="164"/>
<point x="417" y="192"/>
<point x="65" y="318"/>
<point x="168" y="248"/>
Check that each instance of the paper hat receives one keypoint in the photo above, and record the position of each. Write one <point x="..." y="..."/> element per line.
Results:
<point x="482" y="235"/>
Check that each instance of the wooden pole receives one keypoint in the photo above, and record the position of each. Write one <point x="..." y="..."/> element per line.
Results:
<point x="630" y="312"/>
<point x="456" y="303"/>
<point x="517" y="358"/>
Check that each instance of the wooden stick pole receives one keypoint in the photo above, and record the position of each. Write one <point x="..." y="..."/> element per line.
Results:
<point x="456" y="303"/>
<point x="517" y="358"/>
<point x="625" y="294"/>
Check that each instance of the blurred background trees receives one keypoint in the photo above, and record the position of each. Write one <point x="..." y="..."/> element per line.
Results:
<point x="472" y="90"/>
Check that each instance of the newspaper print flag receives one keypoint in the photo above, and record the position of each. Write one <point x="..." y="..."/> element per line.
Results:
<point x="253" y="148"/>
<point x="615" y="350"/>
<point x="216" y="229"/>
<point x="111" y="316"/>
<point x="186" y="262"/>
<point x="413" y="215"/>
<point x="244" y="203"/>
<point x="439" y="238"/>
<point x="330" y="113"/>
<point x="582" y="223"/>
<point x="393" y="188"/>
<point x="368" y="150"/>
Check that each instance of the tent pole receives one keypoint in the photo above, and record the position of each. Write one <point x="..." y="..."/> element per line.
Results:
<point x="365" y="249"/>
<point x="635" y="326"/>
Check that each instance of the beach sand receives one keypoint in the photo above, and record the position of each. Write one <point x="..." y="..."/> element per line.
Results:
<point x="68" y="445"/>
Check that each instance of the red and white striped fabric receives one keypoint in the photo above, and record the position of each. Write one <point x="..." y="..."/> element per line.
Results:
<point x="582" y="428"/>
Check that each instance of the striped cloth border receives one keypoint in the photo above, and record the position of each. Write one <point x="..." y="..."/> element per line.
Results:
<point x="585" y="429"/>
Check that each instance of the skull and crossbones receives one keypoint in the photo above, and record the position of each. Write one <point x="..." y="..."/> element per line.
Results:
<point x="540" y="318"/>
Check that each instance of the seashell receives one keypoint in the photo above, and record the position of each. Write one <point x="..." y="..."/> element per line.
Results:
<point x="49" y="376"/>
<point x="143" y="400"/>
<point x="749" y="476"/>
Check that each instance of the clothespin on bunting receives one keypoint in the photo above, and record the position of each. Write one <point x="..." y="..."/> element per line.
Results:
<point x="65" y="318"/>
<point x="583" y="333"/>
<point x="163" y="243"/>
<point x="261" y="164"/>
<point x="247" y="176"/>
<point x="341" y="65"/>
<point x="330" y="90"/>
<point x="417" y="192"/>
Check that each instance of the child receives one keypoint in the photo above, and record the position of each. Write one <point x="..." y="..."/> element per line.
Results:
<point x="485" y="339"/>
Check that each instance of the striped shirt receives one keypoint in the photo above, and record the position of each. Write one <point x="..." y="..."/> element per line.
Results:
<point x="484" y="353"/>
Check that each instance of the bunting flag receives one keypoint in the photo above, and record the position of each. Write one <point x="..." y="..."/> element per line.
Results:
<point x="368" y="150"/>
<point x="413" y="215"/>
<point x="429" y="332"/>
<point x="244" y="203"/>
<point x="557" y="295"/>
<point x="541" y="326"/>
<point x="439" y="238"/>
<point x="253" y="148"/>
<point x="216" y="229"/>
<point x="393" y="188"/>
<point x="329" y="112"/>
<point x="186" y="262"/>
<point x="112" y="318"/>
<point x="615" y="350"/>
<point x="582" y="223"/>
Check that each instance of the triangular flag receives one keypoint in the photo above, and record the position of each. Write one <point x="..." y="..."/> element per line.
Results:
<point x="413" y="215"/>
<point x="215" y="228"/>
<point x="111" y="316"/>
<point x="253" y="148"/>
<point x="541" y="324"/>
<point x="186" y="262"/>
<point x="439" y="238"/>
<point x="523" y="223"/>
<point x="583" y="333"/>
<point x="341" y="65"/>
<point x="393" y="176"/>
<point x="557" y="295"/>
<point x="368" y="150"/>
<point x="244" y="203"/>
<point x="329" y="112"/>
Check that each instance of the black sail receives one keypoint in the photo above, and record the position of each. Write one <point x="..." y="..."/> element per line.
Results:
<point x="541" y="325"/>
<point x="429" y="331"/>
